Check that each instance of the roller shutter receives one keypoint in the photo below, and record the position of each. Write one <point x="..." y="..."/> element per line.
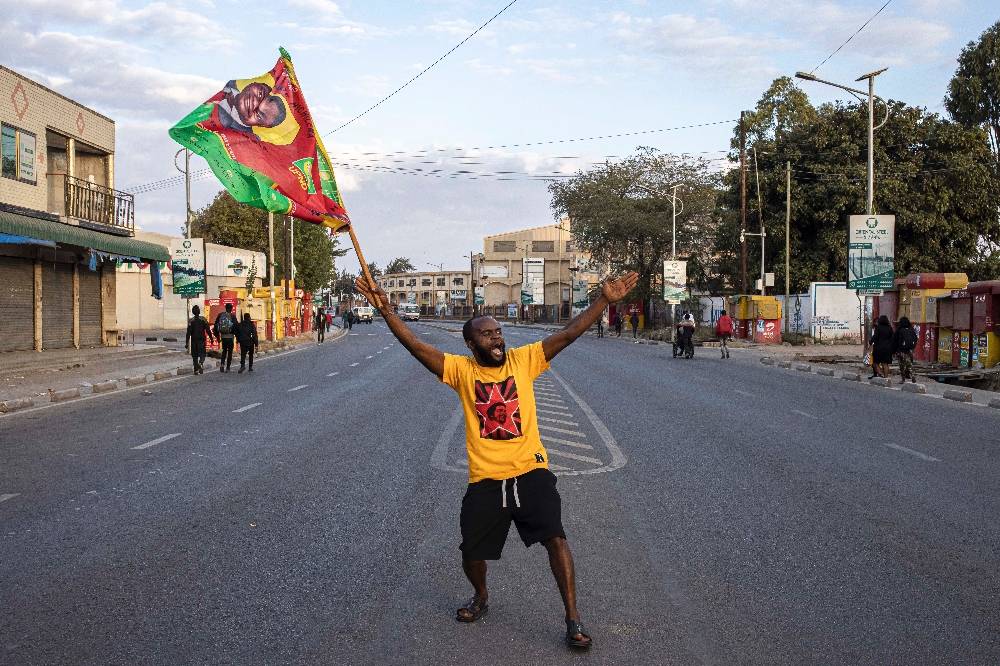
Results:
<point x="90" y="307"/>
<point x="17" y="297"/>
<point x="57" y="305"/>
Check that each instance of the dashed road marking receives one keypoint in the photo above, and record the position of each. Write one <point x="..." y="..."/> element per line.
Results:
<point x="354" y="364"/>
<point x="749" y="395"/>
<point x="368" y="357"/>
<point x="549" y="411"/>
<point x="248" y="407"/>
<point x="549" y="420"/>
<point x="298" y="388"/>
<point x="332" y="374"/>
<point x="158" y="440"/>
<point x="812" y="416"/>
<point x="575" y="456"/>
<point x="7" y="496"/>
<point x="562" y="430"/>
<point x="912" y="452"/>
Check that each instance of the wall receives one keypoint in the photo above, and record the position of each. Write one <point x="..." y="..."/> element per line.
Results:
<point x="34" y="108"/>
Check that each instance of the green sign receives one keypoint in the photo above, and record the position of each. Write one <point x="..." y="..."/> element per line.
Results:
<point x="581" y="293"/>
<point x="871" y="252"/>
<point x="187" y="261"/>
<point x="859" y="246"/>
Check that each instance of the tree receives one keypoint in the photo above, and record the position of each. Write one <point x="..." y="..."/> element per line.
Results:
<point x="400" y="265"/>
<point x="621" y="214"/>
<point x="935" y="176"/>
<point x="226" y="221"/>
<point x="374" y="270"/>
<point x="973" y="97"/>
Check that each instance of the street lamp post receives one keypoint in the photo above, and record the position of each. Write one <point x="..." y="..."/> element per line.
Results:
<point x="871" y="120"/>
<point x="673" y="241"/>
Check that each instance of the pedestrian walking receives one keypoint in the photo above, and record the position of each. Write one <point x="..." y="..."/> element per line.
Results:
<point x="904" y="342"/>
<point x="601" y="323"/>
<point x="724" y="331"/>
<point x="882" y="346"/>
<point x="618" y="324"/>
<point x="350" y="320"/>
<point x="224" y="327"/>
<point x="197" y="330"/>
<point x="634" y="320"/>
<point x="343" y="318"/>
<point x="329" y="320"/>
<point x="246" y="335"/>
<point x="320" y="320"/>
<point x="509" y="479"/>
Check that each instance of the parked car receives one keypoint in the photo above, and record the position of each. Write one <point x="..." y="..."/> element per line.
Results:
<point x="409" y="311"/>
<point x="364" y="314"/>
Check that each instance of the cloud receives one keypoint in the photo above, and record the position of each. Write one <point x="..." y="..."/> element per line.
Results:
<point x="368" y="85"/>
<point x="489" y="70"/>
<point x="176" y="23"/>
<point x="66" y="11"/>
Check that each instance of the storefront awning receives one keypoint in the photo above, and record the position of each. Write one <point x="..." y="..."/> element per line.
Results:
<point x="65" y="234"/>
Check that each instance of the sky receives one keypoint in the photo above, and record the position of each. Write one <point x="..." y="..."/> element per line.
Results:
<point x="529" y="92"/>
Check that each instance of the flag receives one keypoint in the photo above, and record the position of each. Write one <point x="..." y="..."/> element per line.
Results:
<point x="260" y="141"/>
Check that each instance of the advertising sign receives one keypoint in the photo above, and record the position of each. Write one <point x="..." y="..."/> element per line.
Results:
<point x="674" y="281"/>
<point x="512" y="311"/>
<point x="411" y="297"/>
<point x="871" y="252"/>
<point x="459" y="294"/>
<point x="581" y="296"/>
<point x="187" y="260"/>
<point x="26" y="156"/>
<point x="533" y="281"/>
<point x="493" y="271"/>
<point x="480" y="296"/>
<point x="441" y="305"/>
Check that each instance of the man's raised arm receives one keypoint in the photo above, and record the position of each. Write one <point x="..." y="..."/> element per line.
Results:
<point x="431" y="357"/>
<point x="612" y="291"/>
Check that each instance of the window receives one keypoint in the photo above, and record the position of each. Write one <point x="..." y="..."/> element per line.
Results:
<point x="569" y="246"/>
<point x="412" y="282"/>
<point x="504" y="246"/>
<point x="458" y="282"/>
<point x="8" y="152"/>
<point x="426" y="297"/>
<point x="440" y="282"/>
<point x="425" y="282"/>
<point x="543" y="246"/>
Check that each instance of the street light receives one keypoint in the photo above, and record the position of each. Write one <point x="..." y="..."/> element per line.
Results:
<point x="871" y="119"/>
<point x="673" y="242"/>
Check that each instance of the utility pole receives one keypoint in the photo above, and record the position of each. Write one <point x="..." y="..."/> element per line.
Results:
<point x="788" y="225"/>
<point x="743" y="203"/>
<point x="187" y="216"/>
<point x="760" y="217"/>
<point x="288" y="256"/>
<point x="270" y="272"/>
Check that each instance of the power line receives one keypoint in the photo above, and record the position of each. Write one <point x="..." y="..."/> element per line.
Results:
<point x="421" y="73"/>
<point x="851" y="37"/>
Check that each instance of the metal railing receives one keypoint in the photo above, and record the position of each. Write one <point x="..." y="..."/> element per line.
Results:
<point x="102" y="205"/>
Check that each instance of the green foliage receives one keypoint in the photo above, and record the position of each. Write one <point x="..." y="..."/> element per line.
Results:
<point x="400" y="265"/>
<point x="935" y="176"/>
<point x="621" y="214"/>
<point x="973" y="97"/>
<point x="374" y="270"/>
<point x="251" y="274"/>
<point x="225" y="221"/>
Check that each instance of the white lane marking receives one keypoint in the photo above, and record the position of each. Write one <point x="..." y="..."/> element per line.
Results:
<point x="378" y="352"/>
<point x="549" y="420"/>
<point x="373" y="334"/>
<point x="368" y="357"/>
<point x="440" y="455"/>
<point x="562" y="430"/>
<point x="618" y="458"/>
<point x="354" y="334"/>
<point x="575" y="456"/>
<point x="812" y="416"/>
<point x="549" y="411"/>
<point x="158" y="440"/>
<point x="332" y="374"/>
<point x="298" y="388"/>
<point x="913" y="453"/>
<point x="567" y="442"/>
<point x="250" y="406"/>
<point x="384" y="347"/>
<point x="353" y="364"/>
<point x="750" y="395"/>
<point x="558" y="468"/>
<point x="561" y="405"/>
<point x="4" y="498"/>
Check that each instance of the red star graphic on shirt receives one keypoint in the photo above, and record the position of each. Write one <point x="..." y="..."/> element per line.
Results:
<point x="498" y="409"/>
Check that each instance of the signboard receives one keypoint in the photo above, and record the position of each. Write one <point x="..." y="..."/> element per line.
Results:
<point x="187" y="260"/>
<point x="835" y="311"/>
<point x="512" y="311"/>
<point x="459" y="294"/>
<point x="26" y="156"/>
<point x="533" y="281"/>
<point x="871" y="252"/>
<point x="581" y="296"/>
<point x="493" y="271"/>
<point x="441" y="305"/>
<point x="871" y="292"/>
<point x="411" y="297"/>
<point x="480" y="296"/>
<point x="674" y="281"/>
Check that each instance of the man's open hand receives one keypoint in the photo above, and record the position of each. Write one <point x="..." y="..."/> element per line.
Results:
<point x="615" y="289"/>
<point x="375" y="295"/>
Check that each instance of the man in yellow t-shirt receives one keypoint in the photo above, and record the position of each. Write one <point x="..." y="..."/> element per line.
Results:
<point x="509" y="478"/>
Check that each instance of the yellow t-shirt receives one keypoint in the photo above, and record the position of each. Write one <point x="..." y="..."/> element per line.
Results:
<point x="501" y="428"/>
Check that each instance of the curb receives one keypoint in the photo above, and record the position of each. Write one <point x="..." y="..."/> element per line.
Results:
<point x="880" y="381"/>
<point x="915" y="388"/>
<point x="958" y="396"/>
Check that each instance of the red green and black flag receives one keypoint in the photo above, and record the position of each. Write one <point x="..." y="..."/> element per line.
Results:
<point x="260" y="141"/>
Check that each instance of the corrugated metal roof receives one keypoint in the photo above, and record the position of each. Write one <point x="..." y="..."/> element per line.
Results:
<point x="65" y="234"/>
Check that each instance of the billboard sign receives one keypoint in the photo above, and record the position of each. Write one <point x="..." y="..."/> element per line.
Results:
<point x="187" y="260"/>
<point x="512" y="311"/>
<point x="871" y="252"/>
<point x="533" y="281"/>
<point x="674" y="281"/>
<point x="493" y="271"/>
<point x="479" y="296"/>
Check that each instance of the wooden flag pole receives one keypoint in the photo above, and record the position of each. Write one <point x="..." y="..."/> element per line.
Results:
<point x="361" y="257"/>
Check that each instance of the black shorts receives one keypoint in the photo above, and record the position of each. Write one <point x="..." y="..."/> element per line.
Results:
<point x="530" y="500"/>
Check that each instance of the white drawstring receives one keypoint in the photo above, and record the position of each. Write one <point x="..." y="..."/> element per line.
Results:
<point x="503" y="491"/>
<point x="517" y="501"/>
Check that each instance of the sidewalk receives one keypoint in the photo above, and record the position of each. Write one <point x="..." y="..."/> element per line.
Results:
<point x="29" y="378"/>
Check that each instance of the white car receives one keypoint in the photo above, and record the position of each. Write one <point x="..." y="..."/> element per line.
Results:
<point x="364" y="314"/>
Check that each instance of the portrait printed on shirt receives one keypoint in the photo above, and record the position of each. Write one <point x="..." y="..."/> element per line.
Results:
<point x="498" y="409"/>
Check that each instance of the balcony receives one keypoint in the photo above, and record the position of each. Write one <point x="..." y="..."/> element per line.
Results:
<point x="98" y="207"/>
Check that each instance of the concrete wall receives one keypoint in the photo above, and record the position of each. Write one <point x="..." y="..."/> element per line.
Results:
<point x="31" y="107"/>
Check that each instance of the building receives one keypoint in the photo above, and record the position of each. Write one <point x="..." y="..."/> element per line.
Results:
<point x="533" y="268"/>
<point x="63" y="226"/>
<point x="438" y="293"/>
<point x="225" y="268"/>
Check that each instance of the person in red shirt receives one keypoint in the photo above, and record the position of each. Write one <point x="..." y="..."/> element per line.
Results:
<point x="724" y="331"/>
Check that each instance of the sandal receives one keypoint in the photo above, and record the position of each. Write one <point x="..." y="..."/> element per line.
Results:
<point x="476" y="606"/>
<point x="574" y="628"/>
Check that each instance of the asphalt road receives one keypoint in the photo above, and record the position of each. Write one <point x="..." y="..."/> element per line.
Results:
<point x="719" y="513"/>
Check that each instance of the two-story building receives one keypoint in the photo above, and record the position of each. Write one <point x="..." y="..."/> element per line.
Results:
<point x="438" y="293"/>
<point x="63" y="226"/>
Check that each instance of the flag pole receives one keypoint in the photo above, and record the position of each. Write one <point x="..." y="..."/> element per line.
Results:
<point x="361" y="257"/>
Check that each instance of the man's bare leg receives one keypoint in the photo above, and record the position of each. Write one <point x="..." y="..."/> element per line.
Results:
<point x="561" y="561"/>
<point x="475" y="571"/>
